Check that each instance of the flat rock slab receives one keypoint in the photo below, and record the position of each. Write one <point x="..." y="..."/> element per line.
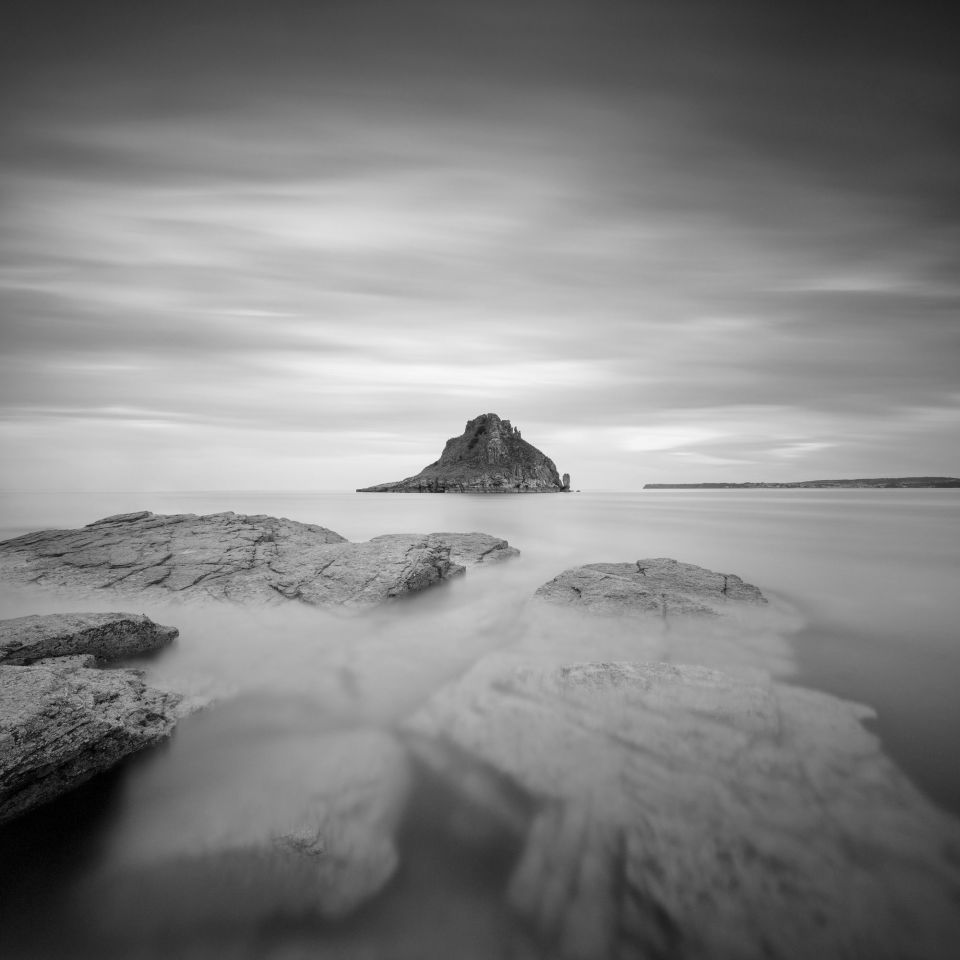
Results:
<point x="676" y="811"/>
<point x="227" y="556"/>
<point x="106" y="636"/>
<point x="61" y="722"/>
<point x="660" y="586"/>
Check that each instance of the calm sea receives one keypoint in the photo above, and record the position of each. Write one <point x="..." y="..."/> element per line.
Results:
<point x="868" y="579"/>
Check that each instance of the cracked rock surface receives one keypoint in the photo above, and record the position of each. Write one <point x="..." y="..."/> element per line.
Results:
<point x="227" y="556"/>
<point x="105" y="636"/>
<point x="679" y="812"/>
<point x="465" y="548"/>
<point x="660" y="586"/>
<point x="62" y="721"/>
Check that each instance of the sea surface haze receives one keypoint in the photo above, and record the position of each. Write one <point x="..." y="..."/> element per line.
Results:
<point x="864" y="605"/>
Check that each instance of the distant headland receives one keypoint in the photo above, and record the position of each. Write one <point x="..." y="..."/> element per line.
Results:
<point x="489" y="456"/>
<point x="876" y="482"/>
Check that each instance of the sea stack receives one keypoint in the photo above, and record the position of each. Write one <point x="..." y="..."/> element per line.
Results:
<point x="488" y="457"/>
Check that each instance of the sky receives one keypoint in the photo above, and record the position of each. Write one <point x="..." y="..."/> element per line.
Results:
<point x="298" y="245"/>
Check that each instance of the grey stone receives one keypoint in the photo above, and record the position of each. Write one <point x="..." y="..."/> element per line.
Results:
<point x="313" y="828"/>
<point x="227" y="556"/>
<point x="681" y="812"/>
<point x="106" y="636"/>
<point x="467" y="549"/>
<point x="660" y="586"/>
<point x="61" y="722"/>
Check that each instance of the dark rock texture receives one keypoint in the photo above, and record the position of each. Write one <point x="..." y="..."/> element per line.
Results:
<point x="674" y="811"/>
<point x="105" y="636"/>
<point x="489" y="457"/>
<point x="61" y="722"/>
<point x="661" y="586"/>
<point x="226" y="556"/>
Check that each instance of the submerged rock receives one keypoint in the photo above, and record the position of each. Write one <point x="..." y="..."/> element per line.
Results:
<point x="272" y="826"/>
<point x="488" y="457"/>
<point x="61" y="722"/>
<point x="105" y="636"/>
<point x="660" y="586"/>
<point x="676" y="811"/>
<point x="227" y="556"/>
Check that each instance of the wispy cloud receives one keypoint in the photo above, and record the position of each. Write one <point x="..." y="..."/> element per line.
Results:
<point x="665" y="242"/>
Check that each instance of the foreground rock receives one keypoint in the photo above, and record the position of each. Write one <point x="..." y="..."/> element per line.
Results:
<point x="105" y="636"/>
<point x="61" y="722"/>
<point x="675" y="811"/>
<point x="488" y="457"/>
<point x="272" y="826"/>
<point x="227" y="556"/>
<point x="660" y="586"/>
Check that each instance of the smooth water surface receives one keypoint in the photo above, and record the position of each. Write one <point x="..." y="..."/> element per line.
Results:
<point x="867" y="578"/>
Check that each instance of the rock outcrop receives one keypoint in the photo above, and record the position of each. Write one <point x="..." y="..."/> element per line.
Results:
<point x="105" y="636"/>
<point x="62" y="720"/>
<point x="661" y="586"/>
<point x="488" y="457"/>
<point x="227" y="556"/>
<point x="675" y="811"/>
<point x="467" y="549"/>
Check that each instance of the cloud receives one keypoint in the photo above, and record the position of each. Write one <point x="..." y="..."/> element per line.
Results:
<point x="660" y="239"/>
<point x="794" y="451"/>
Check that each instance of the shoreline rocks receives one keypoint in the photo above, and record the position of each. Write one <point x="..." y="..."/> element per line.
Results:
<point x="105" y="636"/>
<point x="62" y="720"/>
<point x="228" y="556"/>
<point x="466" y="549"/>
<point x="660" y="586"/>
<point x="489" y="456"/>
<point x="666" y="809"/>
<point x="649" y="808"/>
<point x="678" y="811"/>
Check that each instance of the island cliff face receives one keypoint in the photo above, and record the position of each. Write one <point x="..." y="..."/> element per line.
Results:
<point x="488" y="457"/>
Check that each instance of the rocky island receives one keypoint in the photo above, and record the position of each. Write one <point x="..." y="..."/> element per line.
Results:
<point x="489" y="456"/>
<point x="864" y="483"/>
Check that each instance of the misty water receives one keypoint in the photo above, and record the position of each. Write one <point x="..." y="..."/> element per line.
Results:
<point x="863" y="589"/>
